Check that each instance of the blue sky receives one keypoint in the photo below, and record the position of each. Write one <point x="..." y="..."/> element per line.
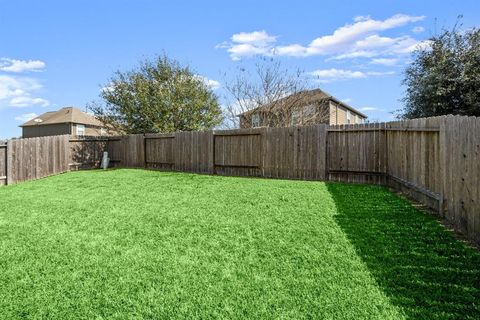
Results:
<point x="58" y="53"/>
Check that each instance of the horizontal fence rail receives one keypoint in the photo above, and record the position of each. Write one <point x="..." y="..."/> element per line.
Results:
<point x="434" y="160"/>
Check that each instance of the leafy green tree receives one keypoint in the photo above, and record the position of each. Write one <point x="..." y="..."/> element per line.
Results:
<point x="159" y="95"/>
<point x="444" y="77"/>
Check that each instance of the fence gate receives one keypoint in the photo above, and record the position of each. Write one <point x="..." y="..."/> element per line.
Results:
<point x="238" y="152"/>
<point x="357" y="153"/>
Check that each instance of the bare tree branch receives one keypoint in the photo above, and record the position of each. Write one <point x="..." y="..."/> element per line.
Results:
<point x="267" y="87"/>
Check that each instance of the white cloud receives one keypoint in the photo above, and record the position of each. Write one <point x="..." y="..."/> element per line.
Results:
<point x="385" y="61"/>
<point x="361" y="18"/>
<point x="290" y="50"/>
<point x="333" y="74"/>
<point x="20" y="92"/>
<point x="343" y="37"/>
<point x="26" y="117"/>
<point x="358" y="39"/>
<point x="212" y="84"/>
<point x="256" y="37"/>
<point x="369" y="109"/>
<point x="12" y="65"/>
<point x="379" y="73"/>
<point x="347" y="100"/>
<point x="374" y="41"/>
<point x="246" y="44"/>
<point x="418" y="29"/>
<point x="28" y="101"/>
<point x="246" y="50"/>
<point x="354" y="54"/>
<point x="375" y="45"/>
<point x="417" y="45"/>
<point x="14" y="87"/>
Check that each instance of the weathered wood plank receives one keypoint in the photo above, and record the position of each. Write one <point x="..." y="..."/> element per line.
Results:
<point x="3" y="162"/>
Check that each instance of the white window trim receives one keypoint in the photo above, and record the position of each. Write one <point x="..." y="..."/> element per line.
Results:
<point x="82" y="126"/>
<point x="297" y="117"/>
<point x="349" y="117"/>
<point x="255" y="120"/>
<point x="309" y="112"/>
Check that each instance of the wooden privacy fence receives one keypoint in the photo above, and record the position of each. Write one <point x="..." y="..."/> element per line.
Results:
<point x="435" y="160"/>
<point x="33" y="158"/>
<point x="292" y="153"/>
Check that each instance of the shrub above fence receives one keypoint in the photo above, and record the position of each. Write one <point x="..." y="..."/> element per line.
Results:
<point x="435" y="160"/>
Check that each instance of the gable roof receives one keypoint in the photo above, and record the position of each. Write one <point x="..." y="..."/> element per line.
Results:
<point x="302" y="98"/>
<point x="64" y="115"/>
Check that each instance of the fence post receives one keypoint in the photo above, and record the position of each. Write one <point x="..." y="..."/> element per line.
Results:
<point x="3" y="162"/>
<point x="212" y="153"/>
<point x="386" y="151"/>
<point x="68" y="153"/>
<point x="262" y="150"/>
<point x="327" y="154"/>
<point x="144" y="151"/>
<point x="9" y="163"/>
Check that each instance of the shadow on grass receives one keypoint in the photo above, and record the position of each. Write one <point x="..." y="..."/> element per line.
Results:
<point x="418" y="264"/>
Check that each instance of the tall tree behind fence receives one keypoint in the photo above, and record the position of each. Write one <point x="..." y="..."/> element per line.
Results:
<point x="435" y="160"/>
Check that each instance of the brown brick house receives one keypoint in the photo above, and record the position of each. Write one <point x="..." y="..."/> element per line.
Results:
<point x="302" y="108"/>
<point x="68" y="120"/>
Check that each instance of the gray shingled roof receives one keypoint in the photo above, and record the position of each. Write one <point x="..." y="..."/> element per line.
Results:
<point x="64" y="115"/>
<point x="302" y="98"/>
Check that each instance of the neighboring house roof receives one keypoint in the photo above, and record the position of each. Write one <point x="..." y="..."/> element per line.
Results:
<point x="64" y="115"/>
<point x="301" y="98"/>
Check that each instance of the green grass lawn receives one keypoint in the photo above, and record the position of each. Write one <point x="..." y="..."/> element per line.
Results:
<point x="135" y="244"/>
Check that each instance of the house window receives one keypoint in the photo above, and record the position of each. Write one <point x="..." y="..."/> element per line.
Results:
<point x="80" y="130"/>
<point x="309" y="112"/>
<point x="255" y="120"/>
<point x="360" y="120"/>
<point x="103" y="132"/>
<point x="348" y="116"/>
<point x="295" y="117"/>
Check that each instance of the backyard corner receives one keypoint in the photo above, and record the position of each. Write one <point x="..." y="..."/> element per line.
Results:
<point x="131" y="243"/>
